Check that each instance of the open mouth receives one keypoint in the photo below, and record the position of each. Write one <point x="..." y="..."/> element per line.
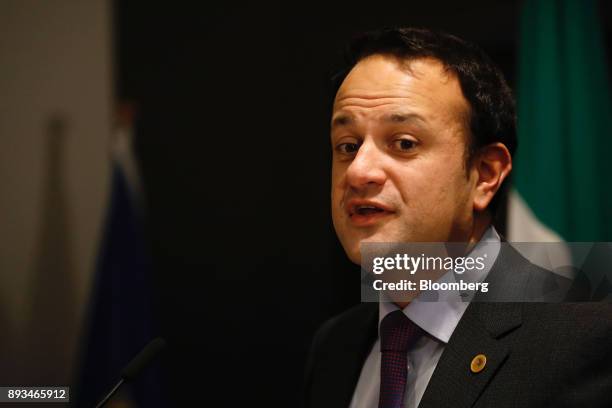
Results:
<point x="367" y="210"/>
<point x="365" y="213"/>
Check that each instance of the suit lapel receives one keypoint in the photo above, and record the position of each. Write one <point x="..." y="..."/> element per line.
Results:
<point x="481" y="330"/>
<point x="453" y="379"/>
<point x="343" y="358"/>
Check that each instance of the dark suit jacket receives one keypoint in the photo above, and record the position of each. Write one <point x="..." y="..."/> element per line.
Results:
<point x="538" y="354"/>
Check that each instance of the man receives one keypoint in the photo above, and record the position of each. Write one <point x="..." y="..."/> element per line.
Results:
<point x="423" y="132"/>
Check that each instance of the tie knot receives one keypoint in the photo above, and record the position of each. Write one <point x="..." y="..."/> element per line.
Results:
<point x="398" y="332"/>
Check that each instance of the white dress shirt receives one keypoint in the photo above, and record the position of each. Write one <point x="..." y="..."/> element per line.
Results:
<point x="438" y="319"/>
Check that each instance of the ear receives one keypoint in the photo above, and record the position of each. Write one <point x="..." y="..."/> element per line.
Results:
<point x="492" y="164"/>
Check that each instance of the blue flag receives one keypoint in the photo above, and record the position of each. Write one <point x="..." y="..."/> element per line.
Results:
<point x="120" y="315"/>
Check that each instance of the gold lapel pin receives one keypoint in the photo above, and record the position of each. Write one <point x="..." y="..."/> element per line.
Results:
<point x="478" y="363"/>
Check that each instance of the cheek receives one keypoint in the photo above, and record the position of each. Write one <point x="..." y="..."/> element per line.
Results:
<point x="336" y="200"/>
<point x="433" y="188"/>
<point x="337" y="171"/>
<point x="456" y="193"/>
<point x="336" y="195"/>
<point x="337" y="184"/>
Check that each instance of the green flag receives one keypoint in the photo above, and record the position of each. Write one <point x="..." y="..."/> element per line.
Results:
<point x="563" y="168"/>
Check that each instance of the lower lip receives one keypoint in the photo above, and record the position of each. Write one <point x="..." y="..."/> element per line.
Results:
<point x="360" y="220"/>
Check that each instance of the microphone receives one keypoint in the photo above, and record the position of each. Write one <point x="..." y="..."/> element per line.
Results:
<point x="134" y="367"/>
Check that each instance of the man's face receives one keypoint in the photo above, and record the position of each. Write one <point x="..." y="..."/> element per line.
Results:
<point x="399" y="139"/>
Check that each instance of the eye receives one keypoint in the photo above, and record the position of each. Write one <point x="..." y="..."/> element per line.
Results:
<point x="347" y="148"/>
<point x="404" y="144"/>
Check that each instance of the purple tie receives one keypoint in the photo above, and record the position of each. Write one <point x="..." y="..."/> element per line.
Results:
<point x="397" y="335"/>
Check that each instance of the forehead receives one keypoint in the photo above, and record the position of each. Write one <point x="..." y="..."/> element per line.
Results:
<point x="421" y="86"/>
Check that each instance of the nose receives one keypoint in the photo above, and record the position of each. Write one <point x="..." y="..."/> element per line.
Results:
<point x="366" y="169"/>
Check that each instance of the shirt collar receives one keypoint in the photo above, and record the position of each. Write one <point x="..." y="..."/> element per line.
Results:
<point x="440" y="318"/>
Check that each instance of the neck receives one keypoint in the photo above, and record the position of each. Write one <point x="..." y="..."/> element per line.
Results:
<point x="481" y="222"/>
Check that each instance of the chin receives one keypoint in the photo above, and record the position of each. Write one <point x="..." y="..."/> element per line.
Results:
<point x="352" y="250"/>
<point x="351" y="240"/>
<point x="354" y="257"/>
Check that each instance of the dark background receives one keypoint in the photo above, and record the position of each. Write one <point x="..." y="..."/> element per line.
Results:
<point x="232" y="138"/>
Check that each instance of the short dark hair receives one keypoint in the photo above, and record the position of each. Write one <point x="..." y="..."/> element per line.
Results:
<point x="492" y="107"/>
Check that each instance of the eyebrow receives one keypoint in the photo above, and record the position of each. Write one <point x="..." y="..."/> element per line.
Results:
<point x="342" y="120"/>
<point x="403" y="118"/>
<point x="347" y="120"/>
